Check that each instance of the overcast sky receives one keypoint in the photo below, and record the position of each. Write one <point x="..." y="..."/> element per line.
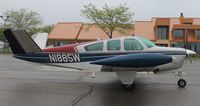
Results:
<point x="53" y="11"/>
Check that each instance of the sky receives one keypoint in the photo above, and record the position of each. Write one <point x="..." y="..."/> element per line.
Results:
<point x="53" y="11"/>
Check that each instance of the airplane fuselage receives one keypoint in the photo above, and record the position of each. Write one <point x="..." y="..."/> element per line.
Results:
<point x="81" y="53"/>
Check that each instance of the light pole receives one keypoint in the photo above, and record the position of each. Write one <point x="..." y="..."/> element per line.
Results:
<point x="4" y="18"/>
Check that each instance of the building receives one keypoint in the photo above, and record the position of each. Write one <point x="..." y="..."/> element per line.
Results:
<point x="164" y="31"/>
<point x="70" y="32"/>
<point x="175" y="31"/>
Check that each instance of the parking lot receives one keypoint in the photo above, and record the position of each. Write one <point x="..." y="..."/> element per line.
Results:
<point x="29" y="84"/>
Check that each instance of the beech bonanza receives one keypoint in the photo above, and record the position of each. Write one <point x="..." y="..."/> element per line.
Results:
<point x="125" y="55"/>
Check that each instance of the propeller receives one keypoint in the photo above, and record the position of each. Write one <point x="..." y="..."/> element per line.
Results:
<point x="189" y="58"/>
<point x="187" y="53"/>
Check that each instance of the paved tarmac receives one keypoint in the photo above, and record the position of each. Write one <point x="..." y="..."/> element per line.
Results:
<point x="29" y="84"/>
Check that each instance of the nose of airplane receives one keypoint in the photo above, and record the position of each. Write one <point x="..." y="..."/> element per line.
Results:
<point x="190" y="52"/>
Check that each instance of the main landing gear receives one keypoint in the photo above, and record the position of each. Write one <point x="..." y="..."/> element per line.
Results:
<point x="128" y="87"/>
<point x="181" y="82"/>
<point x="127" y="79"/>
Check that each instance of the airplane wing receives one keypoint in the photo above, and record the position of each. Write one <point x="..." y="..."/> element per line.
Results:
<point x="135" y="60"/>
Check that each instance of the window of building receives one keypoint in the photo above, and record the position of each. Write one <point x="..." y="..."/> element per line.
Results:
<point x="179" y="32"/>
<point x="113" y="45"/>
<point x="60" y="43"/>
<point x="198" y="32"/>
<point x="188" y="23"/>
<point x="197" y="47"/>
<point x="162" y="32"/>
<point x="94" y="47"/>
<point x="179" y="45"/>
<point x="162" y="45"/>
<point x="57" y="44"/>
<point x="132" y="44"/>
<point x="192" y="46"/>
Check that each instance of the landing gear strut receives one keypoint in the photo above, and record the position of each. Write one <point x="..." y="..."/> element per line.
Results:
<point x="181" y="82"/>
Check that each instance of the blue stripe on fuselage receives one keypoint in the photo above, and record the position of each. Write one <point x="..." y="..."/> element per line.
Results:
<point x="81" y="57"/>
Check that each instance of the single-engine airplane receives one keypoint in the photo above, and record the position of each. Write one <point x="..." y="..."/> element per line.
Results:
<point x="125" y="55"/>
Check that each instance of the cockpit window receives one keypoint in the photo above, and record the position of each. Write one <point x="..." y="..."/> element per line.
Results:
<point x="113" y="45"/>
<point x="132" y="44"/>
<point x="147" y="42"/>
<point x="95" y="47"/>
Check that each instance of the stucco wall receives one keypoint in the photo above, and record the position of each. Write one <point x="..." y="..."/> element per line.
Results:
<point x="144" y="29"/>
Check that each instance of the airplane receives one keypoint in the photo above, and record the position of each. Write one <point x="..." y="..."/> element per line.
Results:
<point x="1" y="45"/>
<point x="124" y="55"/>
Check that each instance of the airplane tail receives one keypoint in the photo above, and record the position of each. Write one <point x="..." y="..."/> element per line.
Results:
<point x="21" y="42"/>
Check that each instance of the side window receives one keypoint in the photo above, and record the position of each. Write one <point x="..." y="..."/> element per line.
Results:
<point x="94" y="47"/>
<point x="113" y="45"/>
<point x="132" y="44"/>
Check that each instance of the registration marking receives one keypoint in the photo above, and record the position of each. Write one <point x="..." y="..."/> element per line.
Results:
<point x="64" y="58"/>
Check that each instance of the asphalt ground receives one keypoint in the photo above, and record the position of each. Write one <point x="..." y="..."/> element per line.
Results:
<point x="30" y="84"/>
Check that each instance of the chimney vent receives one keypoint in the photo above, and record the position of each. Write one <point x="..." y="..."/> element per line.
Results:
<point x="181" y="15"/>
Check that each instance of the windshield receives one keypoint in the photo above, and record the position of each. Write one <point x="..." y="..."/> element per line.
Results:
<point x="147" y="42"/>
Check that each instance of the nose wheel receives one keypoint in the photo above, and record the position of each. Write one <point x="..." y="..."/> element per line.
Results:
<point x="181" y="83"/>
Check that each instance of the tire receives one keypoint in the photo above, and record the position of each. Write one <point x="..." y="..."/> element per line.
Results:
<point x="181" y="83"/>
<point x="128" y="87"/>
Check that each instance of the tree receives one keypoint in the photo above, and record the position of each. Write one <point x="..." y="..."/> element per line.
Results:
<point x="46" y="29"/>
<point x="22" y="19"/>
<point x="110" y="19"/>
<point x="1" y="33"/>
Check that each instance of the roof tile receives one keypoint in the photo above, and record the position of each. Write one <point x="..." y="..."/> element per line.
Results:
<point x="78" y="31"/>
<point x="93" y="32"/>
<point x="65" y="30"/>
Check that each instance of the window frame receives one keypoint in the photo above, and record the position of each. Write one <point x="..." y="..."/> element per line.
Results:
<point x="89" y="45"/>
<point x="196" y="32"/>
<point x="161" y="30"/>
<point x="138" y="42"/>
<point x="113" y="49"/>
<point x="174" y="33"/>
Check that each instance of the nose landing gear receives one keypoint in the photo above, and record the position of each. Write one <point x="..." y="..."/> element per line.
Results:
<point x="181" y="82"/>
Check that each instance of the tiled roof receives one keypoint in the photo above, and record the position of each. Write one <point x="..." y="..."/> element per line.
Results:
<point x="65" y="31"/>
<point x="89" y="32"/>
<point x="78" y="31"/>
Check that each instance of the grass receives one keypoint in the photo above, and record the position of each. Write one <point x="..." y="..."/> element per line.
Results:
<point x="5" y="51"/>
<point x="196" y="56"/>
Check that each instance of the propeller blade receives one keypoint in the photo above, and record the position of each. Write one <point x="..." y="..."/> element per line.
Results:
<point x="188" y="52"/>
<point x="188" y="56"/>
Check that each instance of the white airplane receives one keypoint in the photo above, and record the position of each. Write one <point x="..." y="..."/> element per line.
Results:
<point x="125" y="55"/>
<point x="1" y="44"/>
<point x="40" y="39"/>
